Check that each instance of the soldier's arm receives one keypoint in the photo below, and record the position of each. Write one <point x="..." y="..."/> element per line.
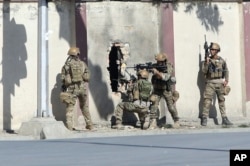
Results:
<point x="86" y="73"/>
<point x="135" y="91"/>
<point x="205" y="67"/>
<point x="226" y="73"/>
<point x="63" y="75"/>
<point x="164" y="75"/>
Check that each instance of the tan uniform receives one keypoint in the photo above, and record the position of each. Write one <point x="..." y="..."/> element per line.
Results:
<point x="215" y="72"/>
<point x="74" y="76"/>
<point x="161" y="88"/>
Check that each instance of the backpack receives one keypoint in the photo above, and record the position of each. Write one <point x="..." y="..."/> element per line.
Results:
<point x="145" y="88"/>
<point x="74" y="69"/>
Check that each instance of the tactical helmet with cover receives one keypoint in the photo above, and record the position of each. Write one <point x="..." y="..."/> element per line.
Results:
<point x="74" y="51"/>
<point x="161" y="57"/>
<point x="143" y="74"/>
<point x="215" y="46"/>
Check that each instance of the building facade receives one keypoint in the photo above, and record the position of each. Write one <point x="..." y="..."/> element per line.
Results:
<point x="144" y="27"/>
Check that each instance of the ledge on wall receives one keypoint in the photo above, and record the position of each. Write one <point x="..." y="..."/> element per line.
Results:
<point x="44" y="128"/>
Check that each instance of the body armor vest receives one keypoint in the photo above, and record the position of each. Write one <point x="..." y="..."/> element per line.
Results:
<point x="216" y="69"/>
<point x="158" y="83"/>
<point x="75" y="69"/>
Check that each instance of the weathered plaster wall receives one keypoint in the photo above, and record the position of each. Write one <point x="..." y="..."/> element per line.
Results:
<point x="133" y="23"/>
<point x="246" y="58"/>
<point x="147" y="28"/>
<point x="18" y="71"/>
<point x="221" y="24"/>
<point x="60" y="38"/>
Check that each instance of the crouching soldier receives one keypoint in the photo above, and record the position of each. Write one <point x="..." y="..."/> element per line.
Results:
<point x="138" y="92"/>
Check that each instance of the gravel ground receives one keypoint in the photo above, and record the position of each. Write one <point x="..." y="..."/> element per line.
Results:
<point x="103" y="129"/>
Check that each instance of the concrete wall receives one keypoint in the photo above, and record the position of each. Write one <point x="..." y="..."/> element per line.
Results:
<point x="18" y="71"/>
<point x="146" y="29"/>
<point x="61" y="36"/>
<point x="135" y="25"/>
<point x="246" y="59"/>
<point x="221" y="23"/>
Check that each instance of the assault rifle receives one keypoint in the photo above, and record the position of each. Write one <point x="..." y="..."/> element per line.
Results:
<point x="148" y="66"/>
<point x="206" y="47"/>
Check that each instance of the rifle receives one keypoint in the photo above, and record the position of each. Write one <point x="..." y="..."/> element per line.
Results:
<point x="206" y="49"/>
<point x="148" y="66"/>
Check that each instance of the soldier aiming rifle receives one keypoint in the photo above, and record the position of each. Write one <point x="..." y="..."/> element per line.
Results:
<point x="149" y="66"/>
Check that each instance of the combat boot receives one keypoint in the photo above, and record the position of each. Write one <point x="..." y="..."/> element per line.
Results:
<point x="118" y="125"/>
<point x="145" y="124"/>
<point x="204" y="121"/>
<point x="176" y="124"/>
<point x="139" y="123"/>
<point x="69" y="126"/>
<point x="153" y="124"/>
<point x="90" y="127"/>
<point x="226" y="122"/>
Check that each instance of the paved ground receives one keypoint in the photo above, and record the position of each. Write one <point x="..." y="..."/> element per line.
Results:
<point x="190" y="145"/>
<point x="183" y="149"/>
<point x="103" y="129"/>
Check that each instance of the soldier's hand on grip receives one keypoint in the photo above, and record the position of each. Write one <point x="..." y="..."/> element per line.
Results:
<point x="154" y="71"/>
<point x="207" y="60"/>
<point x="63" y="88"/>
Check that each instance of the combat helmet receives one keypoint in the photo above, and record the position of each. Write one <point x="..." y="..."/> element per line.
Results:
<point x="215" y="46"/>
<point x="74" y="51"/>
<point x="161" y="57"/>
<point x="143" y="74"/>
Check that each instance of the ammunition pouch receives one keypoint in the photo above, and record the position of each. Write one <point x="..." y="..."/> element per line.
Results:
<point x="170" y="82"/>
<point x="86" y="76"/>
<point x="67" y="80"/>
<point x="176" y="96"/>
<point x="66" y="97"/>
<point x="227" y="89"/>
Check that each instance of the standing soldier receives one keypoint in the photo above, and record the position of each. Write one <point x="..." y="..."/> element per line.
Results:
<point x="216" y="73"/>
<point x="74" y="74"/>
<point x="163" y="81"/>
<point x="138" y="93"/>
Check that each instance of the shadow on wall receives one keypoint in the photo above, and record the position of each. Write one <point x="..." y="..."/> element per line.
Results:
<point x="207" y="12"/>
<point x="201" y="86"/>
<point x="58" y="108"/>
<point x="14" y="55"/>
<point x="99" y="91"/>
<point x="61" y="8"/>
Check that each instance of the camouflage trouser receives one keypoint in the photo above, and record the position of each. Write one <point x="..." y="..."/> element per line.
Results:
<point x="168" y="96"/>
<point x="77" y="91"/>
<point x="138" y="107"/>
<point x="210" y="89"/>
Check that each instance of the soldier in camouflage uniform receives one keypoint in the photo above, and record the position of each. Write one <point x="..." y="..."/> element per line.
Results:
<point x="74" y="76"/>
<point x="217" y="76"/>
<point x="138" y="93"/>
<point x="162" y="81"/>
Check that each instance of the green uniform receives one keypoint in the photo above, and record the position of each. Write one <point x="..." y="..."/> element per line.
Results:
<point x="137" y="101"/>
<point x="74" y="76"/>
